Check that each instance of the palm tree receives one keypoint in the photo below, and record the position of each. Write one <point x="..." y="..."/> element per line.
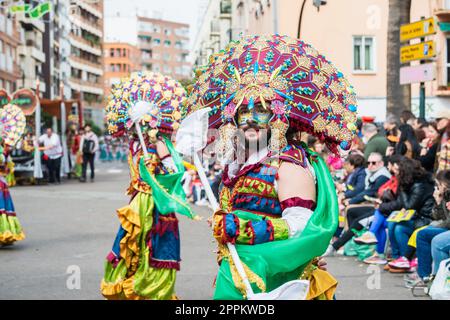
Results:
<point x="398" y="96"/>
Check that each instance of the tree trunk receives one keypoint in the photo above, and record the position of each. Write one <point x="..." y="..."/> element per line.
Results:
<point x="398" y="96"/>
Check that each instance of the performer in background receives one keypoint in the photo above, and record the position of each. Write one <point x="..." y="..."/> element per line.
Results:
<point x="278" y="201"/>
<point x="12" y="126"/>
<point x="146" y="252"/>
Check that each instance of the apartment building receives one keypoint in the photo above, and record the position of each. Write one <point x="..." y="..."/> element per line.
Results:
<point x="86" y="57"/>
<point x="31" y="51"/>
<point x="164" y="47"/>
<point x="120" y="59"/>
<point x="9" y="42"/>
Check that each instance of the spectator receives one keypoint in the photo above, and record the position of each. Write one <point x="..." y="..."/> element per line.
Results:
<point x="88" y="146"/>
<point x="406" y="116"/>
<point x="377" y="175"/>
<point x="425" y="237"/>
<point x="415" y="193"/>
<point x="429" y="146"/>
<point x="52" y="154"/>
<point x="443" y="126"/>
<point x="355" y="184"/>
<point x="391" y="125"/>
<point x="373" y="140"/>
<point x="407" y="145"/>
<point x="377" y="232"/>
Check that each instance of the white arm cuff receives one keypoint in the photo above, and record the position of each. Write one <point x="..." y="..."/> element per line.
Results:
<point x="296" y="218"/>
<point x="169" y="164"/>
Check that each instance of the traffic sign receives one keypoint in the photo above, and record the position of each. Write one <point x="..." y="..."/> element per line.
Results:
<point x="421" y="51"/>
<point x="420" y="73"/>
<point x="418" y="29"/>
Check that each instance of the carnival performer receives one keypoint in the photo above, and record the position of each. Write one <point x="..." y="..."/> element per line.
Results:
<point x="278" y="201"/>
<point x="12" y="126"/>
<point x="146" y="252"/>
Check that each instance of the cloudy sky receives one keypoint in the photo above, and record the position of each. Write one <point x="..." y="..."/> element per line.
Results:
<point x="184" y="11"/>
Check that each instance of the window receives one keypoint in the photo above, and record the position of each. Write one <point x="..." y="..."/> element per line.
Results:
<point x="166" y="57"/>
<point x="167" y="32"/>
<point x="124" y="52"/>
<point x="156" y="42"/>
<point x="363" y="54"/>
<point x="167" y="43"/>
<point x="111" y="52"/>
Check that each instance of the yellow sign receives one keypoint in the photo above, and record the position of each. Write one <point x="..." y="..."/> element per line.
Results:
<point x="417" y="29"/>
<point x="420" y="51"/>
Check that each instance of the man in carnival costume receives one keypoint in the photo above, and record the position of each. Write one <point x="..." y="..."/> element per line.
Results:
<point x="146" y="252"/>
<point x="12" y="126"/>
<point x="278" y="202"/>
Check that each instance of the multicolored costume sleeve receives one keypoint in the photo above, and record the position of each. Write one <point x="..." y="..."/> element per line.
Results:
<point x="146" y="252"/>
<point x="12" y="126"/>
<point x="304" y="92"/>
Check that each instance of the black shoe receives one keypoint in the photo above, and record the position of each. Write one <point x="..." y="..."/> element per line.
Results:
<point x="82" y="180"/>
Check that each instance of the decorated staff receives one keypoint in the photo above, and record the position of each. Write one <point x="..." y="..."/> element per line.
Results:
<point x="277" y="202"/>
<point x="12" y="127"/>
<point x="146" y="252"/>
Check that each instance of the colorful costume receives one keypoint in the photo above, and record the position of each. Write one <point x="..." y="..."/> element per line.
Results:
<point x="12" y="125"/>
<point x="277" y="241"/>
<point x="146" y="253"/>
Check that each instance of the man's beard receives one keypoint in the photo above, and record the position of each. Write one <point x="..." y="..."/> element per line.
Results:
<point x="249" y="146"/>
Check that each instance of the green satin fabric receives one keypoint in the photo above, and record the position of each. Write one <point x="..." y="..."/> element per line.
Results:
<point x="278" y="262"/>
<point x="167" y="190"/>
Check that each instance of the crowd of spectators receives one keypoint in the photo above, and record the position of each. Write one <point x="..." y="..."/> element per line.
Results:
<point x="394" y="193"/>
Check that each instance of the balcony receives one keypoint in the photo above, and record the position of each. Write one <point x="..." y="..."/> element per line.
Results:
<point x="443" y="91"/>
<point x="443" y="13"/>
<point x="37" y="54"/>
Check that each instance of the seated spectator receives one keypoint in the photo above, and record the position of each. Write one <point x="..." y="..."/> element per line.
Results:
<point x="425" y="237"/>
<point x="430" y="147"/>
<point x="443" y="126"/>
<point x="415" y="193"/>
<point x="374" y="141"/>
<point x="355" y="182"/>
<point x="377" y="175"/>
<point x="407" y="145"/>
<point x="377" y="232"/>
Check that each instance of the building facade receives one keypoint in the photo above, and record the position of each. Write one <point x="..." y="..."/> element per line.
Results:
<point x="86" y="57"/>
<point x="9" y="42"/>
<point x="352" y="34"/>
<point x="164" y="47"/>
<point x="31" y="51"/>
<point x="120" y="59"/>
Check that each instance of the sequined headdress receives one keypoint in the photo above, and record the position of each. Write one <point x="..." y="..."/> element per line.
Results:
<point x="12" y="124"/>
<point x="304" y="91"/>
<point x="165" y="95"/>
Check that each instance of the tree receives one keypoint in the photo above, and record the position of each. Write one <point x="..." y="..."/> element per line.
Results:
<point x="398" y="96"/>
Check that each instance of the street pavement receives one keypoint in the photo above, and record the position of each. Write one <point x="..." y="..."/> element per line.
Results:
<point x="70" y="229"/>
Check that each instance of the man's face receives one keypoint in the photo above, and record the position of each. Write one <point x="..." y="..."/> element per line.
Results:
<point x="87" y="129"/>
<point x="49" y="132"/>
<point x="374" y="163"/>
<point x="253" y="122"/>
<point x="442" y="123"/>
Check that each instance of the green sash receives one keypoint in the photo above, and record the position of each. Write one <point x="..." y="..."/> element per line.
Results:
<point x="278" y="262"/>
<point x="167" y="191"/>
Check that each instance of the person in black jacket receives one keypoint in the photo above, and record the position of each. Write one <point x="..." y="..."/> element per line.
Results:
<point x="430" y="147"/>
<point x="415" y="193"/>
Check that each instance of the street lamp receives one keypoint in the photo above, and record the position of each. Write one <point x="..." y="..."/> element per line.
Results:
<point x="317" y="4"/>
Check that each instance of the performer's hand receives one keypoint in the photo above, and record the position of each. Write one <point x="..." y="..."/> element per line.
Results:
<point x="322" y="264"/>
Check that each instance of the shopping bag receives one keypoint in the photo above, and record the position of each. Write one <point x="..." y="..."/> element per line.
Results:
<point x="440" y="289"/>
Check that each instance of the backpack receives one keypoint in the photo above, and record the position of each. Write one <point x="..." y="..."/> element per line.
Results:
<point x="88" y="146"/>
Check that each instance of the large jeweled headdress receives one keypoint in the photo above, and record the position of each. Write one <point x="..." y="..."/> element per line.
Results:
<point x="12" y="124"/>
<point x="304" y="91"/>
<point x="164" y="96"/>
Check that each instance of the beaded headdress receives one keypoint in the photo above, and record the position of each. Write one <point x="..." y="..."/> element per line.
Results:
<point x="12" y="124"/>
<point x="304" y="91"/>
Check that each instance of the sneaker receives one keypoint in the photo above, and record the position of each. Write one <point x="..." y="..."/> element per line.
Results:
<point x="411" y="279"/>
<point x="367" y="238"/>
<point x="397" y="270"/>
<point x="413" y="263"/>
<point x="375" y="259"/>
<point x="330" y="251"/>
<point x="400" y="263"/>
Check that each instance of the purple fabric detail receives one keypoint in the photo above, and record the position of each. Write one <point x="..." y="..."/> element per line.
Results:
<point x="298" y="202"/>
